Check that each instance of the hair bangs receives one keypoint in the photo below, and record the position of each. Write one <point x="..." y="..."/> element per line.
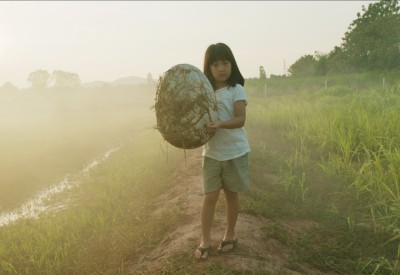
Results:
<point x="219" y="53"/>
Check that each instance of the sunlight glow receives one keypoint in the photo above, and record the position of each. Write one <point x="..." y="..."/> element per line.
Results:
<point x="105" y="40"/>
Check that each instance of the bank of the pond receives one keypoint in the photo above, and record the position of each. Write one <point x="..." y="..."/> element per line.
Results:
<point x="42" y="202"/>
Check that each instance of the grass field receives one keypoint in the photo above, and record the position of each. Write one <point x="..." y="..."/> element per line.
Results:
<point x="336" y="151"/>
<point x="327" y="155"/>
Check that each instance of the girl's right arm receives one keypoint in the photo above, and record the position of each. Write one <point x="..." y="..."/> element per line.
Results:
<point x="238" y="121"/>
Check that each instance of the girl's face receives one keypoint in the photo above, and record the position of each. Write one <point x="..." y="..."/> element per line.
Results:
<point x="221" y="71"/>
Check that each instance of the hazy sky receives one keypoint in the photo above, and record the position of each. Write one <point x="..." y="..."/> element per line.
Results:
<point x="106" y="40"/>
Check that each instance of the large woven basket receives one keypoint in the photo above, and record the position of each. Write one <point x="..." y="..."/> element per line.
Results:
<point x="185" y="102"/>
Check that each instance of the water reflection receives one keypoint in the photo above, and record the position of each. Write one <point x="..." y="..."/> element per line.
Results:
<point x="33" y="207"/>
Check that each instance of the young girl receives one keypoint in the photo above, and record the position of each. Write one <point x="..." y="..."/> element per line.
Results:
<point x="225" y="164"/>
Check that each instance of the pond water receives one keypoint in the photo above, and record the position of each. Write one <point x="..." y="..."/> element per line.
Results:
<point x="40" y="203"/>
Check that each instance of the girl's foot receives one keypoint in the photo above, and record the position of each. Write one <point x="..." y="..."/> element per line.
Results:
<point x="227" y="246"/>
<point x="201" y="253"/>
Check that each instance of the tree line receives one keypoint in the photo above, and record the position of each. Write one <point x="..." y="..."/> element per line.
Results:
<point x="60" y="79"/>
<point x="41" y="79"/>
<point x="371" y="43"/>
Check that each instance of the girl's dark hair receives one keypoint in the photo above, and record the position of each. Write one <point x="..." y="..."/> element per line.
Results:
<point x="220" y="51"/>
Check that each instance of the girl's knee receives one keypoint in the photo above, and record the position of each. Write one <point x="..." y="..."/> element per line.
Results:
<point x="211" y="197"/>
<point x="230" y="195"/>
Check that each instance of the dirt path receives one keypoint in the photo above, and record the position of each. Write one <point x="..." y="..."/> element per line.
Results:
<point x="256" y="253"/>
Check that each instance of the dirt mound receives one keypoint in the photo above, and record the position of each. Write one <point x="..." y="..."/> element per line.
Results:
<point x="256" y="253"/>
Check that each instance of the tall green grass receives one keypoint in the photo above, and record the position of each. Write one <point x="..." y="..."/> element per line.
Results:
<point x="337" y="152"/>
<point x="356" y="134"/>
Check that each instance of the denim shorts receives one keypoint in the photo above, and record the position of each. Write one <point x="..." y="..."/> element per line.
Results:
<point x="231" y="174"/>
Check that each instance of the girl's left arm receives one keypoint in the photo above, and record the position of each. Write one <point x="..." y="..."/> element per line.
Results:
<point x="239" y="109"/>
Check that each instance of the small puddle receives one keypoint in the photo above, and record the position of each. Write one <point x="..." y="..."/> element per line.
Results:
<point x="33" y="207"/>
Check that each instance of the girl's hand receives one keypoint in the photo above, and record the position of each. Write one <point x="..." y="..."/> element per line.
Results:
<point x="212" y="126"/>
<point x="236" y="122"/>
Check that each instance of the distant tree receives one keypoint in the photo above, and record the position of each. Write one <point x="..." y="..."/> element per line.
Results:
<point x="321" y="67"/>
<point x="149" y="79"/>
<point x="304" y="66"/>
<point x="372" y="40"/>
<point x="65" y="79"/>
<point x="9" y="87"/>
<point x="39" y="79"/>
<point x="263" y="75"/>
<point x="337" y="62"/>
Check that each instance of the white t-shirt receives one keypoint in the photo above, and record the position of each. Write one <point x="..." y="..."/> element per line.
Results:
<point x="227" y="144"/>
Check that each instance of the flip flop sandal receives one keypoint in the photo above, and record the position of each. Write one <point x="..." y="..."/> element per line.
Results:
<point x="203" y="253"/>
<point x="225" y="243"/>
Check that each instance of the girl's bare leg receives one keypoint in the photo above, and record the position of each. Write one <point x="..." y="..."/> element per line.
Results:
<point x="232" y="211"/>
<point x="207" y="215"/>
